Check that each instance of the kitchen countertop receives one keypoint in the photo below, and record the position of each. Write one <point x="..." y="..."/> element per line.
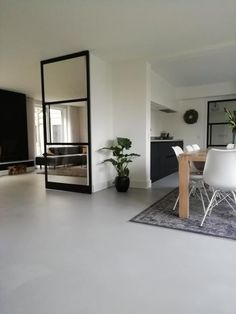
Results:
<point x="166" y="140"/>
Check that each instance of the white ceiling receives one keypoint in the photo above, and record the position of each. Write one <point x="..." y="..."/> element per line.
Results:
<point x="188" y="42"/>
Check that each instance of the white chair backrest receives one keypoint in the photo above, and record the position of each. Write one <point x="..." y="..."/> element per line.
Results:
<point x="189" y="148"/>
<point x="194" y="165"/>
<point x="230" y="146"/>
<point x="196" y="147"/>
<point x="178" y="150"/>
<point x="220" y="169"/>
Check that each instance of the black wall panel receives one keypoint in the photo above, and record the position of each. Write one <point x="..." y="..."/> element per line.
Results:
<point x="163" y="159"/>
<point x="13" y="127"/>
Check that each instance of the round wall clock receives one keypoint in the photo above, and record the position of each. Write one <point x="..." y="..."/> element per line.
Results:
<point x="191" y="116"/>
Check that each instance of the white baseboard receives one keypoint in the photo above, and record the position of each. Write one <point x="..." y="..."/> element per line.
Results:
<point x="133" y="184"/>
<point x="102" y="186"/>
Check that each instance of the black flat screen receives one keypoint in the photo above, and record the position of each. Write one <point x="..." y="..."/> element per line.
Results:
<point x="13" y="126"/>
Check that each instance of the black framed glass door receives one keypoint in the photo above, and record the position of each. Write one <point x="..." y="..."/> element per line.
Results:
<point x="219" y="132"/>
<point x="66" y="116"/>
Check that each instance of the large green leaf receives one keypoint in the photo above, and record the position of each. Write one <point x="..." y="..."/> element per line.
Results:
<point x="121" y="158"/>
<point x="113" y="161"/>
<point x="124" y="142"/>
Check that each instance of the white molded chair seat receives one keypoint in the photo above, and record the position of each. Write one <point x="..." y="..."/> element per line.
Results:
<point x="196" y="147"/>
<point x="220" y="174"/>
<point x="230" y="146"/>
<point x="197" y="165"/>
<point x="189" y="148"/>
<point x="178" y="150"/>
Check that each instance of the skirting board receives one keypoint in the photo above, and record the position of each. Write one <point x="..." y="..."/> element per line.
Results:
<point x="133" y="184"/>
<point x="102" y="186"/>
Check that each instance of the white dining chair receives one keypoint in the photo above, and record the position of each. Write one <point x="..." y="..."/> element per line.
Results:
<point x="197" y="165"/>
<point x="196" y="181"/>
<point x="189" y="148"/>
<point x="220" y="174"/>
<point x="196" y="147"/>
<point x="230" y="146"/>
<point x="178" y="150"/>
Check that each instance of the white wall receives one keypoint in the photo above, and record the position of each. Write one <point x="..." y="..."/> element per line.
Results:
<point x="73" y="87"/>
<point x="101" y="121"/>
<point x="131" y="112"/>
<point x="159" y="122"/>
<point x="204" y="91"/>
<point x="73" y="116"/>
<point x="182" y="99"/>
<point x="77" y="123"/>
<point x="192" y="133"/>
<point x="83" y="124"/>
<point x="121" y="106"/>
<point x="162" y="92"/>
<point x="195" y="97"/>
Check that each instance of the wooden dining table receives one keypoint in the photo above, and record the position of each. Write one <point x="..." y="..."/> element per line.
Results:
<point x="184" y="172"/>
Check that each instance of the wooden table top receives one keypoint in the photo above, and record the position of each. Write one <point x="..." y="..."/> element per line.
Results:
<point x="199" y="155"/>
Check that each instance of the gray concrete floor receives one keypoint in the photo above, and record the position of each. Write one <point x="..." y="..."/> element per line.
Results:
<point x="68" y="253"/>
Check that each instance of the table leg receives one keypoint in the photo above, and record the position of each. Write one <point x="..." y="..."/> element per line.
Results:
<point x="183" y="187"/>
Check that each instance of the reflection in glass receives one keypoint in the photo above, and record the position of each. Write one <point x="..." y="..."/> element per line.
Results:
<point x="65" y="80"/>
<point x="67" y="122"/>
<point x="39" y="140"/>
<point x="68" y="164"/>
<point x="221" y="135"/>
<point x="216" y="110"/>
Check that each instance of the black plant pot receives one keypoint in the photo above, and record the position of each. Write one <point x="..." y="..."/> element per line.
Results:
<point x="122" y="184"/>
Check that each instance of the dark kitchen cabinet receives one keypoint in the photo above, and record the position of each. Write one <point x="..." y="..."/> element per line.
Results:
<point x="163" y="158"/>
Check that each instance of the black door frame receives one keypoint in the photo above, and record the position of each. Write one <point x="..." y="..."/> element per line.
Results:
<point x="67" y="186"/>
<point x="209" y="125"/>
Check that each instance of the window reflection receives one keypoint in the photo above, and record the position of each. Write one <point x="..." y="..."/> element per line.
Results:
<point x="39" y="140"/>
<point x="219" y="131"/>
<point x="65" y="80"/>
<point x="67" y="123"/>
<point x="216" y="110"/>
<point x="68" y="164"/>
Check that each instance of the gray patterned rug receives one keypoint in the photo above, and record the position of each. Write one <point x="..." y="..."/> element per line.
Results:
<point x="221" y="223"/>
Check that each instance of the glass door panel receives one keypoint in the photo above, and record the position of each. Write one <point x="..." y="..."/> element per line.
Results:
<point x="65" y="79"/>
<point x="219" y="131"/>
<point x="67" y="164"/>
<point x="66" y="101"/>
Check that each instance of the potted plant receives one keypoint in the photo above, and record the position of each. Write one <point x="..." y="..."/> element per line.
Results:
<point x="231" y="119"/>
<point x="120" y="161"/>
